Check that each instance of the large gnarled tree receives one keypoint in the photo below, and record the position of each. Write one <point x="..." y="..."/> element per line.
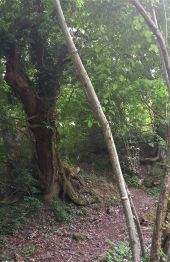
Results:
<point x="34" y="70"/>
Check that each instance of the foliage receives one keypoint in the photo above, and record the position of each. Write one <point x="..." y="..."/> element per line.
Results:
<point x="120" y="252"/>
<point x="123" y="63"/>
<point x="134" y="105"/>
<point x="24" y="253"/>
<point x="60" y="213"/>
<point x="128" y="83"/>
<point x="155" y="191"/>
<point x="19" y="180"/>
<point x="65" y="213"/>
<point x="27" y="251"/>
<point x="31" y="205"/>
<point x="15" y="216"/>
<point x="133" y="181"/>
<point x="11" y="219"/>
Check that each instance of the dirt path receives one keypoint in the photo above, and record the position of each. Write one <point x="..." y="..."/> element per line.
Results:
<point x="83" y="240"/>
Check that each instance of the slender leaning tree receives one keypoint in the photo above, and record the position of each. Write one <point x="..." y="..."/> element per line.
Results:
<point x="98" y="112"/>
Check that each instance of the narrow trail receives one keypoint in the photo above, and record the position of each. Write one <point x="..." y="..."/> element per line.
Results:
<point x="85" y="239"/>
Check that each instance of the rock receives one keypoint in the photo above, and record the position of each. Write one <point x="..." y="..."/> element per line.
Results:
<point x="80" y="237"/>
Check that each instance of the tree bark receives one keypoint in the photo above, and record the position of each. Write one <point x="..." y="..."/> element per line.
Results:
<point x="98" y="112"/>
<point x="48" y="161"/>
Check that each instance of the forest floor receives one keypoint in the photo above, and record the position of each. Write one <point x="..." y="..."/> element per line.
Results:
<point x="86" y="237"/>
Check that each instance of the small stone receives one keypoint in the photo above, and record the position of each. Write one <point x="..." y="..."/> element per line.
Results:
<point x="80" y="237"/>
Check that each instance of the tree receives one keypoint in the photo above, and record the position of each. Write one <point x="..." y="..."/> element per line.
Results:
<point x="34" y="59"/>
<point x="98" y="112"/>
<point x="165" y="189"/>
<point x="33" y="66"/>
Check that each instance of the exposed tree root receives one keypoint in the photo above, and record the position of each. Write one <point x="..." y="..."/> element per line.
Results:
<point x="70" y="185"/>
<point x="75" y="188"/>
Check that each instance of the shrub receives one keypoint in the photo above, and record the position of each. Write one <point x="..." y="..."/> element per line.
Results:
<point x="10" y="219"/>
<point x="28" y="251"/>
<point x="133" y="181"/>
<point x="60" y="213"/>
<point x="120" y="252"/>
<point x="15" y="216"/>
<point x="31" y="205"/>
<point x="154" y="191"/>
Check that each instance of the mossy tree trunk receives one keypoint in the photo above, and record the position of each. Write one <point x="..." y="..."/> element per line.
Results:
<point x="34" y="71"/>
<point x="41" y="116"/>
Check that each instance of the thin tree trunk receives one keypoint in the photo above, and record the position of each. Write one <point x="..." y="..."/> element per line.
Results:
<point x="138" y="226"/>
<point x="97" y="109"/>
<point x="161" y="209"/>
<point x="165" y="188"/>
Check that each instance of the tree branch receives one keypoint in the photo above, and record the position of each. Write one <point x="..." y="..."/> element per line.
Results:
<point x="156" y="31"/>
<point x="19" y="83"/>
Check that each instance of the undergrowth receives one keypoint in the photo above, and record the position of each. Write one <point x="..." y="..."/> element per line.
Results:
<point x="154" y="191"/>
<point x="119" y="252"/>
<point x="12" y="217"/>
<point x="133" y="181"/>
<point x="65" y="213"/>
<point x="27" y="251"/>
<point x="15" y="216"/>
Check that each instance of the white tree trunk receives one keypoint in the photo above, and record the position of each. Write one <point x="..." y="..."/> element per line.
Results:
<point x="98" y="112"/>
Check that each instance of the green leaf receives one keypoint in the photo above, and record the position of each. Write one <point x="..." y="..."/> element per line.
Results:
<point x="122" y="78"/>
<point x="114" y="86"/>
<point x="148" y="35"/>
<point x="154" y="48"/>
<point x="97" y="49"/>
<point x="80" y="3"/>
<point x="105" y="101"/>
<point x="90" y="123"/>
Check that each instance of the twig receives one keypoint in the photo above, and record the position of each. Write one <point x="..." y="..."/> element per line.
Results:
<point x="69" y="259"/>
<point x="71" y="253"/>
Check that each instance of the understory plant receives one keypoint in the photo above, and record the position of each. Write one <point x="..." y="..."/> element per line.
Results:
<point x="120" y="252"/>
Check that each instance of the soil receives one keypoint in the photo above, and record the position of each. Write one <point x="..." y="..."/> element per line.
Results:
<point x="85" y="239"/>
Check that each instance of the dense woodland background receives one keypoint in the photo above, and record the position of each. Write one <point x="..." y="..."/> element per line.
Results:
<point x="48" y="134"/>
